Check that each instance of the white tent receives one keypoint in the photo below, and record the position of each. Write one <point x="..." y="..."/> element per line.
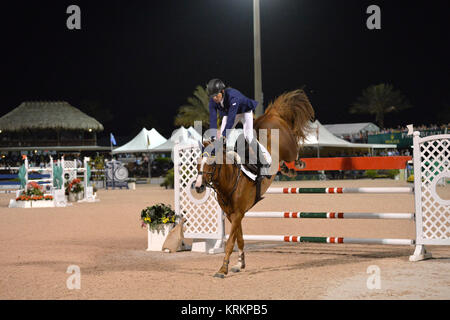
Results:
<point x="348" y="129"/>
<point x="180" y="135"/>
<point x="194" y="134"/>
<point x="145" y="141"/>
<point x="324" y="139"/>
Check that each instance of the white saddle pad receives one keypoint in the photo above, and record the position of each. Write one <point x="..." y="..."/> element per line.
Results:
<point x="248" y="173"/>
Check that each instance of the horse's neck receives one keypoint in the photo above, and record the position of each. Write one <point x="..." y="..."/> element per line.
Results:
<point x="226" y="179"/>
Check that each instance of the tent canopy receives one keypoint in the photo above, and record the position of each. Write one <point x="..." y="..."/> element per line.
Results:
<point x="325" y="139"/>
<point x="145" y="141"/>
<point x="347" y="129"/>
<point x="196" y="135"/>
<point x="181" y="135"/>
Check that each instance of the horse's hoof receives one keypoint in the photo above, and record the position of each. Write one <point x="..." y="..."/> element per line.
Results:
<point x="235" y="269"/>
<point x="219" y="275"/>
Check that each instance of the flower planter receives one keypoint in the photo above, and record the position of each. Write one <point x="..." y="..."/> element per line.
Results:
<point x="72" y="197"/>
<point x="32" y="204"/>
<point x="41" y="203"/>
<point x="157" y="237"/>
<point x="20" y="204"/>
<point x="80" y="195"/>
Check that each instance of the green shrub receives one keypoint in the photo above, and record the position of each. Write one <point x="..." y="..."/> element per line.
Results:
<point x="372" y="174"/>
<point x="169" y="179"/>
<point x="393" y="173"/>
<point x="163" y="160"/>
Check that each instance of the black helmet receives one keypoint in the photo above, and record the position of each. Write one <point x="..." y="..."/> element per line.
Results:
<point x="214" y="87"/>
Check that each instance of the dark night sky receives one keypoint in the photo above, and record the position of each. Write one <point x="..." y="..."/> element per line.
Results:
<point x="144" y="58"/>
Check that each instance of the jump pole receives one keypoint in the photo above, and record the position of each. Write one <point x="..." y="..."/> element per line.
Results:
<point x="339" y="190"/>
<point x="337" y="240"/>
<point x="330" y="215"/>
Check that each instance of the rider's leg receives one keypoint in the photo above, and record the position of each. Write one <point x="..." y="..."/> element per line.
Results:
<point x="248" y="133"/>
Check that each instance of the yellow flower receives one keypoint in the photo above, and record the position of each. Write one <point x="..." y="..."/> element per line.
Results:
<point x="165" y="220"/>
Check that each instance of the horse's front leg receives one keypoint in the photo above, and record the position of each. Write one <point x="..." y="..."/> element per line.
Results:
<point x="285" y="170"/>
<point x="240" y="242"/>
<point x="235" y="223"/>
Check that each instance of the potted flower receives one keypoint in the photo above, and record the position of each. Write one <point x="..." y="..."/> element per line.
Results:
<point x="34" y="189"/>
<point x="74" y="190"/>
<point x="34" y="197"/>
<point x="159" y="219"/>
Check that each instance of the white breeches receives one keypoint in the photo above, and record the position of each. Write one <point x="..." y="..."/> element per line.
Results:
<point x="247" y="123"/>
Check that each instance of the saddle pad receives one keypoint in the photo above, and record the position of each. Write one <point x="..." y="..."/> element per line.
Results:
<point x="248" y="173"/>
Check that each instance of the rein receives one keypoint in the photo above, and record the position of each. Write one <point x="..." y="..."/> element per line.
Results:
<point x="213" y="183"/>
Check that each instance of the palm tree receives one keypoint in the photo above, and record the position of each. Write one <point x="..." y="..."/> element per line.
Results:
<point x="197" y="109"/>
<point x="379" y="100"/>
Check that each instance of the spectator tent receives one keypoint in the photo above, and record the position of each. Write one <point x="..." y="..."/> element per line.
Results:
<point x="320" y="138"/>
<point x="347" y="130"/>
<point x="180" y="135"/>
<point x="145" y="141"/>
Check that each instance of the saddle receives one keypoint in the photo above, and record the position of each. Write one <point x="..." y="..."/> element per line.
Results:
<point x="253" y="154"/>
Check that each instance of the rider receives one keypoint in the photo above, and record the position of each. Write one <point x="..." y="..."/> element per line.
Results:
<point x="234" y="107"/>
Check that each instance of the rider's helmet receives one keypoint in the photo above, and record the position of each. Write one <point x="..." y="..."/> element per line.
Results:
<point x="214" y="87"/>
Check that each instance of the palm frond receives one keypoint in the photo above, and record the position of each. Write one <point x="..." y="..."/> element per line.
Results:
<point x="379" y="100"/>
<point x="196" y="109"/>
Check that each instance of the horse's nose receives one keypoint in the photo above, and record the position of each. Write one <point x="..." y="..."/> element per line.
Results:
<point x="200" y="189"/>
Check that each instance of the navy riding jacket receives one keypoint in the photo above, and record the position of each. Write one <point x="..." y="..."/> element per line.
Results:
<point x="234" y="102"/>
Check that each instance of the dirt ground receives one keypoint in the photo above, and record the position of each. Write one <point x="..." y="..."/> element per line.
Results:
<point x="105" y="241"/>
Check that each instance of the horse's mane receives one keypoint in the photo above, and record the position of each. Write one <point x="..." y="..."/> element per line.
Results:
<point x="294" y="108"/>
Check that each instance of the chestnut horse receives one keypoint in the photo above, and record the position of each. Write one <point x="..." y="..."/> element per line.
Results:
<point x="291" y="114"/>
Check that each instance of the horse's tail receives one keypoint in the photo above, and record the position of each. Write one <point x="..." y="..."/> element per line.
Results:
<point x="294" y="108"/>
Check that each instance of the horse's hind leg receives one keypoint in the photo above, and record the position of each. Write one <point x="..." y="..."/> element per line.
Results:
<point x="285" y="170"/>
<point x="300" y="164"/>
<point x="240" y="242"/>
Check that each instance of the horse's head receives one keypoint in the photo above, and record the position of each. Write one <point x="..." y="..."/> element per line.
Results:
<point x="205" y="166"/>
<point x="208" y="164"/>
